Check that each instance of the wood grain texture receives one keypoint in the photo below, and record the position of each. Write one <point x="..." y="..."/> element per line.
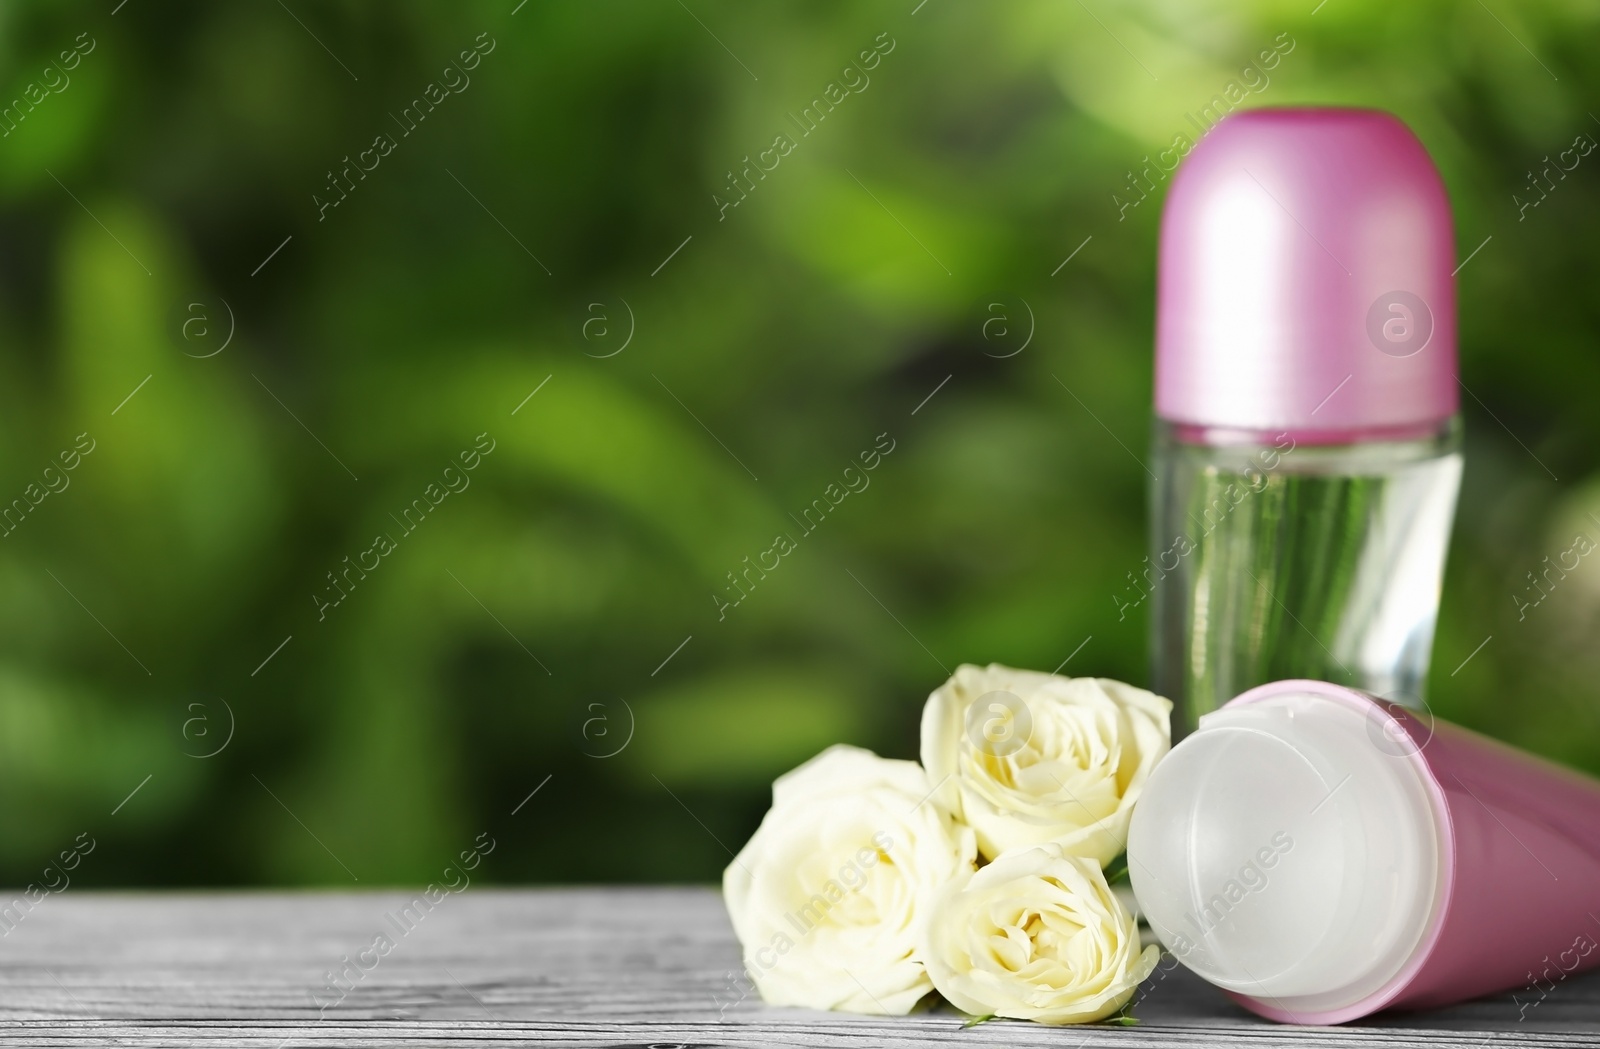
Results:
<point x="571" y="967"/>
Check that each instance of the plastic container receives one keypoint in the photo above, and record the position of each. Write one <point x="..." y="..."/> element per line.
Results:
<point x="1321" y="854"/>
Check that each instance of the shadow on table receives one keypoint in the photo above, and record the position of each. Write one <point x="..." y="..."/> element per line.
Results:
<point x="1176" y="997"/>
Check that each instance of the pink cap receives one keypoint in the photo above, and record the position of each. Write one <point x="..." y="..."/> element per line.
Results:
<point x="1306" y="280"/>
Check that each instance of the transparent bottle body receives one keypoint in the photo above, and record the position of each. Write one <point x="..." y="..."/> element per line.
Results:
<point x="1272" y="559"/>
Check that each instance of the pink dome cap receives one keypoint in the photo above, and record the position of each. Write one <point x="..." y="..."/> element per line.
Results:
<point x="1306" y="280"/>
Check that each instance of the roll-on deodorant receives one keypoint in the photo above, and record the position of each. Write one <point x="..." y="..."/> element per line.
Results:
<point x="1306" y="440"/>
<point x="1321" y="854"/>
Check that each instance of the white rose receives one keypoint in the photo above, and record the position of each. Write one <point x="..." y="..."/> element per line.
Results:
<point x="826" y="895"/>
<point x="1026" y="758"/>
<point x="1035" y="935"/>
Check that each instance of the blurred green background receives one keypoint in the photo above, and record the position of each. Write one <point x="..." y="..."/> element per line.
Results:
<point x="703" y="374"/>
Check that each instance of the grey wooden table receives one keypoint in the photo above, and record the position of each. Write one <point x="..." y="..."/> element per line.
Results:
<point x="589" y="967"/>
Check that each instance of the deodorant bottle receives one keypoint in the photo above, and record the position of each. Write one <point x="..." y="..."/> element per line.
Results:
<point x="1321" y="854"/>
<point x="1306" y="440"/>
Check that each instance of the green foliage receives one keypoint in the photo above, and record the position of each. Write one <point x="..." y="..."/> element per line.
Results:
<point x="524" y="629"/>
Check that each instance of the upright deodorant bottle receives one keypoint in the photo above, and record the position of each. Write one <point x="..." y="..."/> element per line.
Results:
<point x="1307" y="441"/>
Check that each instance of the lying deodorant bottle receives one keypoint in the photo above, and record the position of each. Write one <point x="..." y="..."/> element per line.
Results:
<point x="1321" y="854"/>
<point x="1306" y="442"/>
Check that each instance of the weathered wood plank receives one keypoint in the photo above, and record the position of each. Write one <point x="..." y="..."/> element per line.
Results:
<point x="557" y="967"/>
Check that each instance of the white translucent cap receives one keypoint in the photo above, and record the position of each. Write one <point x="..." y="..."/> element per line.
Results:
<point x="1288" y="850"/>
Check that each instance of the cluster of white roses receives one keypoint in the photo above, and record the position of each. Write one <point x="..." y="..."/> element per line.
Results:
<point x="977" y="874"/>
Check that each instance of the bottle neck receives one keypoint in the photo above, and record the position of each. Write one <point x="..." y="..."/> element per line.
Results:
<point x="1446" y="430"/>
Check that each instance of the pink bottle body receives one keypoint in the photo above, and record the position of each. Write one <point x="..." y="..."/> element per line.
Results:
<point x="1519" y="901"/>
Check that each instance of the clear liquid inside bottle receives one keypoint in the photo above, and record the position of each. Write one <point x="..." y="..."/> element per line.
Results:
<point x="1273" y="559"/>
